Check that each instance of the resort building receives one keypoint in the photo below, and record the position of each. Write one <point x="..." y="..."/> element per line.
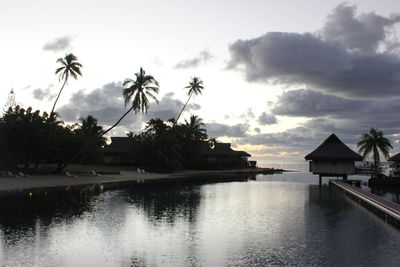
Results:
<point x="117" y="152"/>
<point x="223" y="155"/>
<point x="333" y="158"/>
<point x="216" y="155"/>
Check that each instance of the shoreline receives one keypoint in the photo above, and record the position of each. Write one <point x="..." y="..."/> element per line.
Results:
<point x="44" y="184"/>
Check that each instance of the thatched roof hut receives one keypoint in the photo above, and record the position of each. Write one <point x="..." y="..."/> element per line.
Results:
<point x="333" y="158"/>
<point x="333" y="149"/>
<point x="395" y="158"/>
<point x="222" y="154"/>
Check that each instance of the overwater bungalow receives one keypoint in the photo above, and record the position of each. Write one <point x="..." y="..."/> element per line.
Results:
<point x="333" y="158"/>
<point x="396" y="162"/>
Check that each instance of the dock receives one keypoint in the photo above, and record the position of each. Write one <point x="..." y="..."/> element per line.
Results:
<point x="387" y="210"/>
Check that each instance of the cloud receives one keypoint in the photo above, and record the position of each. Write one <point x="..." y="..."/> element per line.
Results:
<point x="58" y="44"/>
<point x="216" y="130"/>
<point x="363" y="34"/>
<point x="267" y="119"/>
<point x="332" y="61"/>
<point x="44" y="94"/>
<point x="348" y="113"/>
<point x="107" y="105"/>
<point x="202" y="57"/>
<point x="309" y="103"/>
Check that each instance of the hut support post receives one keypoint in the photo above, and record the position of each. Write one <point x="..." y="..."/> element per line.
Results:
<point x="320" y="180"/>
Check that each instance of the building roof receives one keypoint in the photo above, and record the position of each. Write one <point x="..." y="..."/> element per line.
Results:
<point x="395" y="158"/>
<point x="221" y="149"/>
<point x="333" y="149"/>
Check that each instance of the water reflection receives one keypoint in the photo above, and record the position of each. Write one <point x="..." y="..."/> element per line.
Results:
<point x="256" y="223"/>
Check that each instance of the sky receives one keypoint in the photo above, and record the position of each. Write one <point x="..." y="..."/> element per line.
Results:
<point x="279" y="76"/>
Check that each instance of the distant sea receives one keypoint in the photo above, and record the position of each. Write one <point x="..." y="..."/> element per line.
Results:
<point x="301" y="166"/>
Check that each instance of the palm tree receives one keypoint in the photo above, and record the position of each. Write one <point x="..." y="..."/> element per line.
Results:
<point x="195" y="88"/>
<point x="374" y="142"/>
<point x="138" y="92"/>
<point x="90" y="127"/>
<point x="194" y="127"/>
<point x="70" y="67"/>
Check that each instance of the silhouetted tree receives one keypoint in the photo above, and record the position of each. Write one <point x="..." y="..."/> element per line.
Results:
<point x="137" y="93"/>
<point x="70" y="67"/>
<point x="372" y="143"/>
<point x="195" y="88"/>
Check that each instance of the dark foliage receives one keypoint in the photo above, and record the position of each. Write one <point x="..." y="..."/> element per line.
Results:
<point x="162" y="146"/>
<point x="30" y="138"/>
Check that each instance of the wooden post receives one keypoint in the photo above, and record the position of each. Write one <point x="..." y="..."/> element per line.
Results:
<point x="320" y="180"/>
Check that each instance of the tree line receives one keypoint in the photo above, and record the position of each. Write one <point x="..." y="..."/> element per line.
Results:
<point x="30" y="138"/>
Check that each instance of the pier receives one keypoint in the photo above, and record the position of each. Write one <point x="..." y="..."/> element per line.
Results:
<point x="385" y="209"/>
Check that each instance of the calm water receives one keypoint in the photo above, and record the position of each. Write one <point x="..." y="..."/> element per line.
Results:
<point x="274" y="220"/>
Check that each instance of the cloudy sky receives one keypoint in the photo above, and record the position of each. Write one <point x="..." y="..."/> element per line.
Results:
<point x="279" y="76"/>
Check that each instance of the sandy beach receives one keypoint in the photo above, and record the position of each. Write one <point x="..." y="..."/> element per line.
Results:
<point x="44" y="183"/>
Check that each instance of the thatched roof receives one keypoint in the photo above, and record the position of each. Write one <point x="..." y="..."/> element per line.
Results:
<point x="333" y="149"/>
<point x="221" y="149"/>
<point x="395" y="158"/>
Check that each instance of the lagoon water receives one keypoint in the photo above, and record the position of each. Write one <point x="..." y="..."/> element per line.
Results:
<point x="272" y="220"/>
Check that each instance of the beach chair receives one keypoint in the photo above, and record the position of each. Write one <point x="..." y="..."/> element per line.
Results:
<point x="92" y="172"/>
<point x="70" y="175"/>
<point x="21" y="174"/>
<point x="10" y="174"/>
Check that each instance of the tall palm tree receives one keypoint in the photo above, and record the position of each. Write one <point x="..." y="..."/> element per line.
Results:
<point x="137" y="92"/>
<point x="194" y="127"/>
<point x="69" y="67"/>
<point x="195" y="88"/>
<point x="374" y="142"/>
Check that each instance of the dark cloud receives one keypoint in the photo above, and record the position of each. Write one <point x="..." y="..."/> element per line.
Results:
<point x="202" y="57"/>
<point x="44" y="94"/>
<point x="58" y="44"/>
<point x="107" y="105"/>
<point x="308" y="103"/>
<point x="332" y="62"/>
<point x="363" y="34"/>
<point x="351" y="114"/>
<point x="216" y="130"/>
<point x="267" y="119"/>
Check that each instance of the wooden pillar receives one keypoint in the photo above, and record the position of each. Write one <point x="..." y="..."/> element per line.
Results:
<point x="320" y="180"/>
<point x="345" y="177"/>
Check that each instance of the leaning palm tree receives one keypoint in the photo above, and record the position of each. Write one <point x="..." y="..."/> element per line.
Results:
<point x="137" y="93"/>
<point x="373" y="143"/>
<point x="70" y="67"/>
<point x="195" y="88"/>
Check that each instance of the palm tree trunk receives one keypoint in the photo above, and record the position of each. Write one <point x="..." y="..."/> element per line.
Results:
<point x="120" y="119"/>
<point x="176" y="121"/>
<point x="88" y="144"/>
<point x="59" y="93"/>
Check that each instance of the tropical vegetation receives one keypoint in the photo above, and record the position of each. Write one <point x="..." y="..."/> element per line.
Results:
<point x="374" y="143"/>
<point x="69" y="67"/>
<point x="195" y="88"/>
<point x="30" y="138"/>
